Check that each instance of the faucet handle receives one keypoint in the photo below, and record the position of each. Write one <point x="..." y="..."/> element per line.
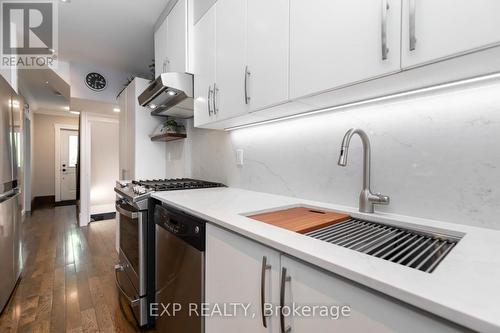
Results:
<point x="381" y="199"/>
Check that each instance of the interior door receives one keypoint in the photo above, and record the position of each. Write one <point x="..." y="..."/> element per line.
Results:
<point x="334" y="43"/>
<point x="68" y="160"/>
<point x="444" y="28"/>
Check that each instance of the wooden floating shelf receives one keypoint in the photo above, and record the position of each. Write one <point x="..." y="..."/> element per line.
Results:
<point x="168" y="137"/>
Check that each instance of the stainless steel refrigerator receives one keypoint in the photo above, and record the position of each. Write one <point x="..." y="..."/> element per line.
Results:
<point x="10" y="209"/>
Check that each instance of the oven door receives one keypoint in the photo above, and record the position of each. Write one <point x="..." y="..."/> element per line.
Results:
<point x="131" y="271"/>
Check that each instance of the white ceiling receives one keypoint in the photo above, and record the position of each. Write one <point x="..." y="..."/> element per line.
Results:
<point x="44" y="90"/>
<point x="118" y="34"/>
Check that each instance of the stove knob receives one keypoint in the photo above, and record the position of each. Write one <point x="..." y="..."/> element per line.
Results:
<point x="196" y="230"/>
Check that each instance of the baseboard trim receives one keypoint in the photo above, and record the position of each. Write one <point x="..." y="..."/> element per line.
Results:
<point x="46" y="201"/>
<point x="66" y="203"/>
<point x="102" y="217"/>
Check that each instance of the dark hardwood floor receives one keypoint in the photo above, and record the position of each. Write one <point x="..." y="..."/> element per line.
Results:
<point x="67" y="284"/>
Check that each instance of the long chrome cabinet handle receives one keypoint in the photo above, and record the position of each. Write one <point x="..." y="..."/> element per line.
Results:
<point x="209" y="100"/>
<point x="385" y="49"/>
<point x="247" y="74"/>
<point x="265" y="267"/>
<point x="215" y="93"/>
<point x="284" y="280"/>
<point x="413" y="38"/>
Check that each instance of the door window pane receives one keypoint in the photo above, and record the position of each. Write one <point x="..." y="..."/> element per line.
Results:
<point x="73" y="151"/>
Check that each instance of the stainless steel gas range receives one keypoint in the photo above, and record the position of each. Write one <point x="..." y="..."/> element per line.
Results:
<point x="135" y="272"/>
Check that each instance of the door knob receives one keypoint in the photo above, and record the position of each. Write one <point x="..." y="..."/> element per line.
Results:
<point x="64" y="165"/>
<point x="64" y="170"/>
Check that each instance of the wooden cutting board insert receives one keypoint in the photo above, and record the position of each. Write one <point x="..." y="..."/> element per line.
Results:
<point x="300" y="219"/>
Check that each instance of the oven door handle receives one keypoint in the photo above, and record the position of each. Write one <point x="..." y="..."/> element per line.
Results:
<point x="127" y="213"/>
<point x="131" y="300"/>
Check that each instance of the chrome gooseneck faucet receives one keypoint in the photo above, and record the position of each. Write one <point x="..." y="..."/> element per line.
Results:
<point x="367" y="199"/>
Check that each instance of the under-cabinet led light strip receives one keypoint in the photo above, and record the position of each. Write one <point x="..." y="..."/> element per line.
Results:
<point x="373" y="100"/>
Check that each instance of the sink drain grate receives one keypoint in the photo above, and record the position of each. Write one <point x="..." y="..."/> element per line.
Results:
<point x="402" y="246"/>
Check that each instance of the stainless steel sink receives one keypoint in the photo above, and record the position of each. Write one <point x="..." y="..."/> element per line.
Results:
<point x="415" y="249"/>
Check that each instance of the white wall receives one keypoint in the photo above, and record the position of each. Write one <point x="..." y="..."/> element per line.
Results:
<point x="43" y="145"/>
<point x="104" y="166"/>
<point x="437" y="156"/>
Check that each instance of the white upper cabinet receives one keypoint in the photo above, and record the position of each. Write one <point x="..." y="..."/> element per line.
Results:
<point x="171" y="41"/>
<point x="335" y="43"/>
<point x="230" y="58"/>
<point x="161" y="49"/>
<point x="177" y="38"/>
<point x="267" y="53"/>
<point x="200" y="7"/>
<point x="204" y="68"/>
<point x="444" y="28"/>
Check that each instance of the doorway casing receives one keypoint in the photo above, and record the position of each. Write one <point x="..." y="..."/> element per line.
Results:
<point x="57" y="129"/>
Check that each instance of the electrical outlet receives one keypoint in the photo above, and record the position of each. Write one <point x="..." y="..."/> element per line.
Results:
<point x="239" y="157"/>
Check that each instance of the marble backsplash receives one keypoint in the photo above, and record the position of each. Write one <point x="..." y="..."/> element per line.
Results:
<point x="436" y="155"/>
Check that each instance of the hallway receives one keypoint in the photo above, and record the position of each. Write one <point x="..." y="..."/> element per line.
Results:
<point x="68" y="280"/>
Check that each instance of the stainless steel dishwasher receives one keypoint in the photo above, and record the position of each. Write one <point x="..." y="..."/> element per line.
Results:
<point x="180" y="267"/>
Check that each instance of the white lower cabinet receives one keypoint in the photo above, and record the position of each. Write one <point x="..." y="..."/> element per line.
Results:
<point x="323" y="302"/>
<point x="234" y="275"/>
<point x="367" y="311"/>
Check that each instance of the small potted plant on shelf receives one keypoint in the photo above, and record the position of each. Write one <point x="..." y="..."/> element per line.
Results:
<point x="171" y="126"/>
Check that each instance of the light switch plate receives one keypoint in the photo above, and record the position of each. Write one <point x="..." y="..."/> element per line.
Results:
<point x="239" y="157"/>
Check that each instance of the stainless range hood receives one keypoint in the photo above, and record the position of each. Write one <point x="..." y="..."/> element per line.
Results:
<point x="171" y="94"/>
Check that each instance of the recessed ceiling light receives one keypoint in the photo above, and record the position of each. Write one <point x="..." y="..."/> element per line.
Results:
<point x="75" y="112"/>
<point x="66" y="108"/>
<point x="116" y="110"/>
<point x="152" y="106"/>
<point x="172" y="93"/>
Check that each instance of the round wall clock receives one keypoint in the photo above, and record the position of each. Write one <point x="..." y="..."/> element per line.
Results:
<point x="95" y="81"/>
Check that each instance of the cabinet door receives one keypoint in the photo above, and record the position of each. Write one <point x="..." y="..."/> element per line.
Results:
<point x="267" y="51"/>
<point x="200" y="7"/>
<point x="443" y="28"/>
<point x="177" y="38"/>
<point x="230" y="58"/>
<point x="161" y="49"/>
<point x="334" y="43"/>
<point x="369" y="312"/>
<point x="234" y="275"/>
<point x="204" y="68"/>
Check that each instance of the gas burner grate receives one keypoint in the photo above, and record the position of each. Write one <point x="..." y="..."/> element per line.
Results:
<point x="402" y="246"/>
<point x="176" y="184"/>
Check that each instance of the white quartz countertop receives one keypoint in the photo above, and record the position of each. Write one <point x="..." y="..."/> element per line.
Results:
<point x="464" y="288"/>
